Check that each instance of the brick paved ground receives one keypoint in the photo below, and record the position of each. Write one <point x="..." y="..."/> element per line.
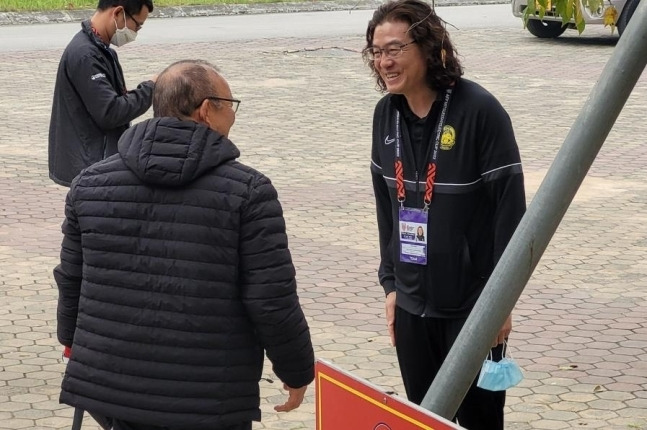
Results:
<point x="580" y="327"/>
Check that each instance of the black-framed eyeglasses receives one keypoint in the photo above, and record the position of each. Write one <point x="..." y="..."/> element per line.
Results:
<point x="232" y="102"/>
<point x="392" y="51"/>
<point x="138" y="25"/>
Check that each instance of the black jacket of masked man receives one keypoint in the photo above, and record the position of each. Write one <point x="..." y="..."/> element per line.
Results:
<point x="91" y="107"/>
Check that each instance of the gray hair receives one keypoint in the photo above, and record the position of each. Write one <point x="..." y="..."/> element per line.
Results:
<point x="182" y="87"/>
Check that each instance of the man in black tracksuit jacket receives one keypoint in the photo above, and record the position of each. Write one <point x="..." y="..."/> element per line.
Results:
<point x="175" y="273"/>
<point x="91" y="106"/>
<point x="474" y="201"/>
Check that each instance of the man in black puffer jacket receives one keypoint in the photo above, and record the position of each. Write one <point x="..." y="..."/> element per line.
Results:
<point x="175" y="273"/>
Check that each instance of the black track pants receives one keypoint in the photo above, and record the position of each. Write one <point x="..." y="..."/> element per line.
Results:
<point x="422" y="345"/>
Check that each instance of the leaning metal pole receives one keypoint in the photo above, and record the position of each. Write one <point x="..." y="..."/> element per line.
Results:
<point x="542" y="218"/>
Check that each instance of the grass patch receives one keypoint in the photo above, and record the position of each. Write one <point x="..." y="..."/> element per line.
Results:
<point x="38" y="5"/>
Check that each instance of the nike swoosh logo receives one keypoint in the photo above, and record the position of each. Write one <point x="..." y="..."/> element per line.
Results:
<point x="388" y="141"/>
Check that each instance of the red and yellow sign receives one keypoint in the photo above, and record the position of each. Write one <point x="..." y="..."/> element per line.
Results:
<point x="345" y="402"/>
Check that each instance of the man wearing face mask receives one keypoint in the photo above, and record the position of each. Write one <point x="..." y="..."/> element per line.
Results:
<point x="92" y="106"/>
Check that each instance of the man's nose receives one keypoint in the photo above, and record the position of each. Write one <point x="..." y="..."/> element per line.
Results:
<point x="385" y="61"/>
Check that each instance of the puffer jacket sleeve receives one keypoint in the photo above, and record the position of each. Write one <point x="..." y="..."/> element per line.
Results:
<point x="68" y="274"/>
<point x="268" y="286"/>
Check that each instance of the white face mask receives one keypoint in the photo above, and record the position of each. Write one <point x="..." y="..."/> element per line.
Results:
<point x="123" y="35"/>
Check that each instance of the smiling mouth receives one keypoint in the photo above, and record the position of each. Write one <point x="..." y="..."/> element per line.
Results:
<point x="390" y="76"/>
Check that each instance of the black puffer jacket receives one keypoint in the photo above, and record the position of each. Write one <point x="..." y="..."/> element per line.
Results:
<point x="175" y="275"/>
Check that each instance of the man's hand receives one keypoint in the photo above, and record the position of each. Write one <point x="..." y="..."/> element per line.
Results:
<point x="295" y="398"/>
<point x="504" y="333"/>
<point x="389" y="308"/>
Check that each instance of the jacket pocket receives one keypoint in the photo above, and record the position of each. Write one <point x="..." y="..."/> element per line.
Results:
<point x="455" y="285"/>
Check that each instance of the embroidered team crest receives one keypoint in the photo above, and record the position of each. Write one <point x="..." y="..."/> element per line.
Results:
<point x="448" y="139"/>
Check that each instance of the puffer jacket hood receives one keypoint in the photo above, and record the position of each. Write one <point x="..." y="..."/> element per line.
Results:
<point x="172" y="152"/>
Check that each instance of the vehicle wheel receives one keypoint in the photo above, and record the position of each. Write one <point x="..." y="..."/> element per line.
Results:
<point x="626" y="14"/>
<point x="545" y="29"/>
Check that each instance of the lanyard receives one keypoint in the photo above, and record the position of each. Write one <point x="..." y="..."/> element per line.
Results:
<point x="431" y="166"/>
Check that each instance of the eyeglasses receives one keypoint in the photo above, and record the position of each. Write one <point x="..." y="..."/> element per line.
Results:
<point x="393" y="51"/>
<point x="138" y="25"/>
<point x="232" y="102"/>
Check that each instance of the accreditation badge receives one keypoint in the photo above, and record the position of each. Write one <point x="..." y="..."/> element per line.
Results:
<point x="413" y="235"/>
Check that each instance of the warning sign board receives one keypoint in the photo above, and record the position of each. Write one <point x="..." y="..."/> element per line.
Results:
<point x="345" y="402"/>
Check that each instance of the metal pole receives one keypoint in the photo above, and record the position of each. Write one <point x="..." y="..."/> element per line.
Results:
<point x="77" y="422"/>
<point x="544" y="214"/>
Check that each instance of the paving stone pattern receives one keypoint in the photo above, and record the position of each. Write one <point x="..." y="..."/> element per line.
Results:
<point x="580" y="327"/>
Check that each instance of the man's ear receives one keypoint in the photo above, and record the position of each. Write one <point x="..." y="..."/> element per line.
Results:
<point x="203" y="112"/>
<point x="199" y="114"/>
<point x="117" y="10"/>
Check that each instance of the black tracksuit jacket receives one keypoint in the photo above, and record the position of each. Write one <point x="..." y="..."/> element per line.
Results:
<point x="477" y="203"/>
<point x="175" y="278"/>
<point x="91" y="107"/>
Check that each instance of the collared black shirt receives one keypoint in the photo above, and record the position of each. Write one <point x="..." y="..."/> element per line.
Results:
<point x="419" y="129"/>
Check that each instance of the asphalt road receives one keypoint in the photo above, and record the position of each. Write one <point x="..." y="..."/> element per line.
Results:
<point x="251" y="27"/>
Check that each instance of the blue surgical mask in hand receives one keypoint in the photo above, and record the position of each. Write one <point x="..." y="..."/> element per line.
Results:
<point x="499" y="376"/>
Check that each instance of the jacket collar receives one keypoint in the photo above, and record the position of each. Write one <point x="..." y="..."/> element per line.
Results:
<point x="86" y="27"/>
